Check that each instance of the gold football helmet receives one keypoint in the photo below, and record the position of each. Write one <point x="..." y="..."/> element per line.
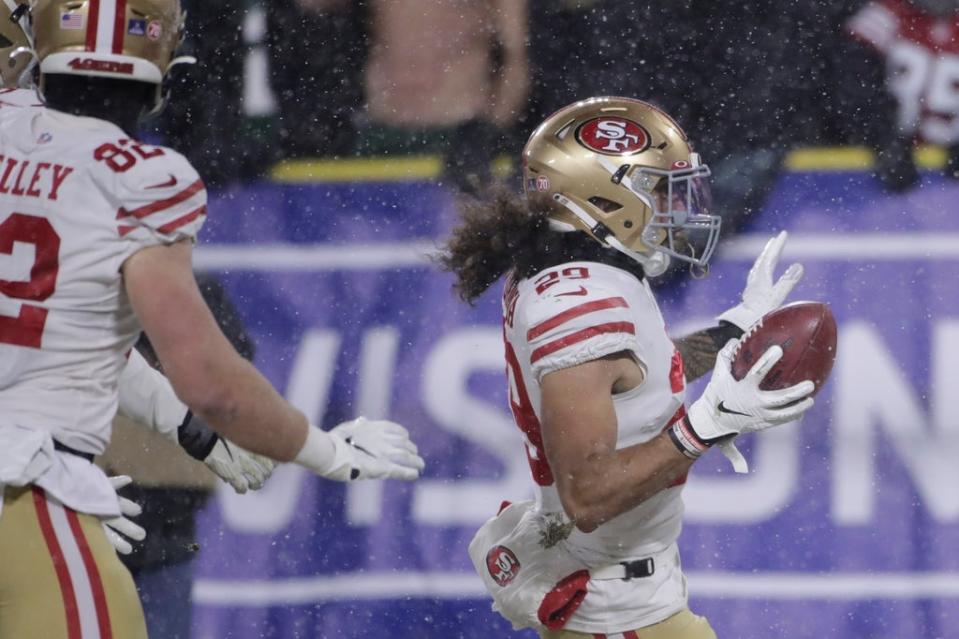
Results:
<point x="125" y="39"/>
<point x="15" y="49"/>
<point x="623" y="171"/>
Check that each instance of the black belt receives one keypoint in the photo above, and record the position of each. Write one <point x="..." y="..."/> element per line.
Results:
<point x="63" y="448"/>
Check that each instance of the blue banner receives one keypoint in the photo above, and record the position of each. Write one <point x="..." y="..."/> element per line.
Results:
<point x="846" y="526"/>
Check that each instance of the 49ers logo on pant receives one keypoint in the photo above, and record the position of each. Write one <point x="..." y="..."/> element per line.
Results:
<point x="502" y="564"/>
<point x="613" y="136"/>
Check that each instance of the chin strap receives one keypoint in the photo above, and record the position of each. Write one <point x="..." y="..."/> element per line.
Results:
<point x="654" y="264"/>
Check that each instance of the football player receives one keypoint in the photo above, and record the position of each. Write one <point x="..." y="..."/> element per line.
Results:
<point x="145" y="396"/>
<point x="96" y="236"/>
<point x="596" y="386"/>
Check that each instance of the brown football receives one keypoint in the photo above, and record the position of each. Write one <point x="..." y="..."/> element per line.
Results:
<point x="806" y="331"/>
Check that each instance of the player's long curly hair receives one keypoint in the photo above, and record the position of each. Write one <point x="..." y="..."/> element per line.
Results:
<point x="502" y="232"/>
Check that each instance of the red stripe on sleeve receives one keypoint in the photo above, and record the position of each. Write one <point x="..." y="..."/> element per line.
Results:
<point x="119" y="26"/>
<point x="580" y="336"/>
<point x="93" y="573"/>
<point x="180" y="221"/>
<point x="630" y="634"/>
<point x="576" y="311"/>
<point x="59" y="564"/>
<point x="161" y="205"/>
<point x="93" y="17"/>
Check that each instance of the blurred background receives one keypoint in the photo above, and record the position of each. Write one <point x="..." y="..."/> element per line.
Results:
<point x="336" y="137"/>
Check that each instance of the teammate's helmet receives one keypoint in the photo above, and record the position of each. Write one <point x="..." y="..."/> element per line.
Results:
<point x="123" y="39"/>
<point x="622" y="171"/>
<point x="15" y="53"/>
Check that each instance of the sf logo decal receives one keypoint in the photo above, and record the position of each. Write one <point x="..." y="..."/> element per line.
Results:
<point x="502" y="564"/>
<point x="613" y="136"/>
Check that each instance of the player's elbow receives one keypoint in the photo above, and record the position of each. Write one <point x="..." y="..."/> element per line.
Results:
<point x="215" y="403"/>
<point x="583" y="506"/>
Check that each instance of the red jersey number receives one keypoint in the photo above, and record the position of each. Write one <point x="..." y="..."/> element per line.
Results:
<point x="550" y="278"/>
<point x="525" y="418"/>
<point x="26" y="329"/>
<point x="122" y="155"/>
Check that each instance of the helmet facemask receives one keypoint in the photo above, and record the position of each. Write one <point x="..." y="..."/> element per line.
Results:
<point x="681" y="224"/>
<point x="17" y="57"/>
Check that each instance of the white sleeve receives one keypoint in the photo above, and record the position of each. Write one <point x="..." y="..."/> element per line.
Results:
<point x="159" y="202"/>
<point x="147" y="398"/>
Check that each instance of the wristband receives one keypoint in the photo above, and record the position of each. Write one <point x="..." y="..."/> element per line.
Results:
<point x="686" y="440"/>
<point x="724" y="332"/>
<point x="319" y="452"/>
<point x="195" y="437"/>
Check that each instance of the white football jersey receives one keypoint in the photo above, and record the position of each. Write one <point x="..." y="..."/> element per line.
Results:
<point x="77" y="198"/>
<point x="569" y="315"/>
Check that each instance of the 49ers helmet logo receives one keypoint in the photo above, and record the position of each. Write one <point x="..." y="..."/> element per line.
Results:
<point x="502" y="564"/>
<point x="613" y="136"/>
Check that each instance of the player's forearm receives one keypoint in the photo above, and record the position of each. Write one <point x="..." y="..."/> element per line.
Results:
<point x="609" y="484"/>
<point x="243" y="407"/>
<point x="699" y="349"/>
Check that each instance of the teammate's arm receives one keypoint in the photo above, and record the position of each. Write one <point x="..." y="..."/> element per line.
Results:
<point x="204" y="369"/>
<point x="595" y="481"/>
<point x="231" y="395"/>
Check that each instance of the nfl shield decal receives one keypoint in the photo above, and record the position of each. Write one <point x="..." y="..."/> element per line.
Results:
<point x="613" y="136"/>
<point x="502" y="564"/>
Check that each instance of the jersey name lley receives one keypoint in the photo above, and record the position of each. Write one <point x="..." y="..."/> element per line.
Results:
<point x="43" y="179"/>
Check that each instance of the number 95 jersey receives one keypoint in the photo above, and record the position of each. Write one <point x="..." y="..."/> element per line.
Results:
<point x="77" y="198"/>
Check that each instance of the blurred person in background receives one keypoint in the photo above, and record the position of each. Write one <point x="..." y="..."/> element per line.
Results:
<point x="317" y="52"/>
<point x="447" y="77"/>
<point x="171" y="488"/>
<point x="596" y="386"/>
<point x="899" y="83"/>
<point x="112" y="223"/>
<point x="719" y="66"/>
<point x="205" y="119"/>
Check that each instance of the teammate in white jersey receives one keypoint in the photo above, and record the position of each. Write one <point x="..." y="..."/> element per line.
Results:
<point x="96" y="235"/>
<point x="596" y="385"/>
<point x="145" y="396"/>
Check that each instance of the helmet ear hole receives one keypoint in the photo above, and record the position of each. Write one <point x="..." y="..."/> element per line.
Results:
<point x="604" y="205"/>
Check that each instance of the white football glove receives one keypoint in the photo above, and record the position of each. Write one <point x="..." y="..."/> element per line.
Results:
<point x="119" y="528"/>
<point x="762" y="295"/>
<point x="238" y="467"/>
<point x="373" y="449"/>
<point x="728" y="407"/>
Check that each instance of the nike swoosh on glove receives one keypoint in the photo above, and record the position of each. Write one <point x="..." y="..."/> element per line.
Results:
<point x="728" y="407"/>
<point x="238" y="467"/>
<point x="373" y="449"/>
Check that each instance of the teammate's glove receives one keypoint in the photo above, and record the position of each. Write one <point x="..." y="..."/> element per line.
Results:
<point x="728" y="407"/>
<point x="238" y="467"/>
<point x="119" y="528"/>
<point x="376" y="449"/>
<point x="761" y="294"/>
